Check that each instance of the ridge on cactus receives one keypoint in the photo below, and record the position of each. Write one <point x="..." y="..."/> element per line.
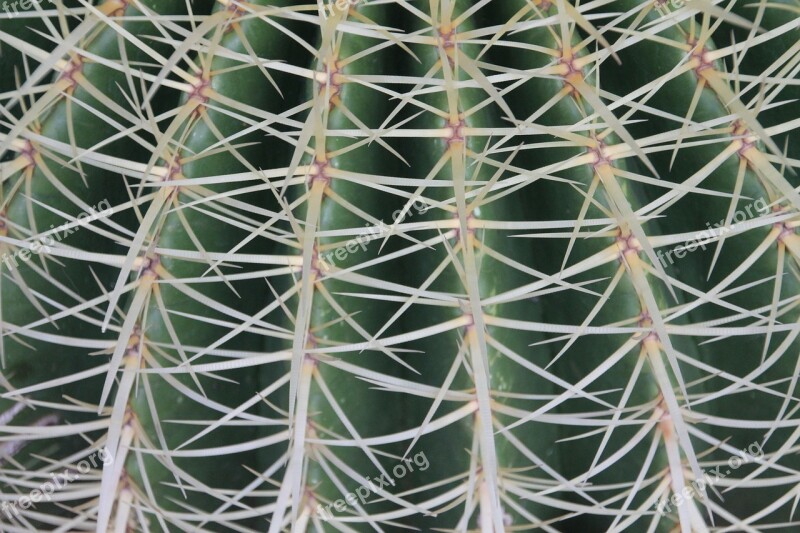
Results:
<point x="399" y="265"/>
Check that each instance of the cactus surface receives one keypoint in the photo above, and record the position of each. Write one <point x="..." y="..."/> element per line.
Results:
<point x="389" y="265"/>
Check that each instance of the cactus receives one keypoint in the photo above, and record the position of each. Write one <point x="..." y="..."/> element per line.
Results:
<point x="375" y="265"/>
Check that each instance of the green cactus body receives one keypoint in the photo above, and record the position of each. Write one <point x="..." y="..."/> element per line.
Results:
<point x="50" y="207"/>
<point x="25" y="26"/>
<point x="166" y="323"/>
<point x="752" y="266"/>
<point x="475" y="262"/>
<point x="388" y="265"/>
<point x="339" y="405"/>
<point x="770" y="59"/>
<point x="625" y="294"/>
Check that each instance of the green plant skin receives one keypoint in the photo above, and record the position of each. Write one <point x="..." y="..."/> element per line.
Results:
<point x="449" y="450"/>
<point x="29" y="30"/>
<point x="506" y="375"/>
<point x="66" y="281"/>
<point x="759" y="59"/>
<point x="552" y="200"/>
<point x="563" y="442"/>
<point x="446" y="449"/>
<point x="159" y="393"/>
<point x="738" y="355"/>
<point x="372" y="412"/>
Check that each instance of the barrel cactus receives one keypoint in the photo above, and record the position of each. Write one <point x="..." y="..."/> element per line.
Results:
<point x="385" y="265"/>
